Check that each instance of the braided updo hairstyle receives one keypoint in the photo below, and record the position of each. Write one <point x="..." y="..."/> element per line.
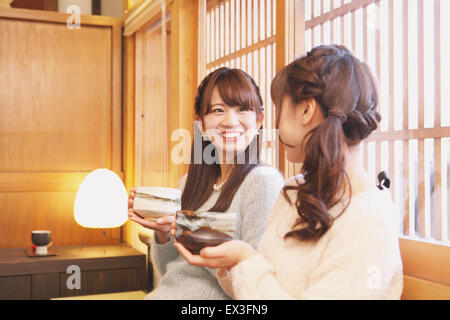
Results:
<point x="346" y="92"/>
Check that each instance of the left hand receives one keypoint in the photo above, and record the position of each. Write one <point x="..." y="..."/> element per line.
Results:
<point x="225" y="255"/>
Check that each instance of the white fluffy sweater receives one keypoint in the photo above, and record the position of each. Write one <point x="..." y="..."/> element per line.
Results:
<point x="358" y="258"/>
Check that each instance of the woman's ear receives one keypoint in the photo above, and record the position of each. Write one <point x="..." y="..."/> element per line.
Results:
<point x="307" y="111"/>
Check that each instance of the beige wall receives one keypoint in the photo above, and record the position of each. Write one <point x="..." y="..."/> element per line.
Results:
<point x="85" y="5"/>
<point x="112" y="8"/>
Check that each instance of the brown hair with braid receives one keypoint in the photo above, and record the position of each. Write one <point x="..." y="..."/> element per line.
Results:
<point x="346" y="92"/>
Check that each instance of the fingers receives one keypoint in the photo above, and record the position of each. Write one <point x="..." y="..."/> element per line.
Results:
<point x="195" y="260"/>
<point x="166" y="220"/>
<point x="173" y="230"/>
<point x="198" y="260"/>
<point x="149" y="224"/>
<point x="212" y="252"/>
<point x="131" y="198"/>
<point x="133" y="214"/>
<point x="221" y="250"/>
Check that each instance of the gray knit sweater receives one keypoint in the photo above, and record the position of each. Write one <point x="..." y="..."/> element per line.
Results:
<point x="252" y="203"/>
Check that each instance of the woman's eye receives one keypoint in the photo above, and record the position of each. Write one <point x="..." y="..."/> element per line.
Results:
<point x="217" y="110"/>
<point x="243" y="109"/>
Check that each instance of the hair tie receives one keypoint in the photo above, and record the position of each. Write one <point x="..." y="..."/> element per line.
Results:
<point x="337" y="114"/>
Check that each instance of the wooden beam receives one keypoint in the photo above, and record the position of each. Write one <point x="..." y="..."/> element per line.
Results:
<point x="252" y="48"/>
<point x="183" y="76"/>
<point x="201" y="40"/>
<point x="127" y="5"/>
<point x="281" y="60"/>
<point x="58" y="17"/>
<point x="338" y="12"/>
<point x="141" y="15"/>
<point x="129" y="110"/>
<point x="408" y="134"/>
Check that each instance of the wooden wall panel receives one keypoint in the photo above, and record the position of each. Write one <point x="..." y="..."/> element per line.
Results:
<point x="22" y="212"/>
<point x="61" y="118"/>
<point x="150" y="143"/>
<point x="53" y="117"/>
<point x="151" y="138"/>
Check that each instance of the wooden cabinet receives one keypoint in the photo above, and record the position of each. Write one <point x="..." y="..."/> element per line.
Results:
<point x="97" y="269"/>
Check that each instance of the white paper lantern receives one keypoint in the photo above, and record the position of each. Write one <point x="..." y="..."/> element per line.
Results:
<point x="101" y="201"/>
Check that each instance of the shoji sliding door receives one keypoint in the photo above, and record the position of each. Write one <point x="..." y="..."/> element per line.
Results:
<point x="404" y="43"/>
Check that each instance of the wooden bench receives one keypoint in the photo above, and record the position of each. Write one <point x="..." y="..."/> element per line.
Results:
<point x="426" y="269"/>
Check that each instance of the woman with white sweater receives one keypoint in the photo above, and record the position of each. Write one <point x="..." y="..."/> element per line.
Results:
<point x="331" y="233"/>
<point x="225" y="175"/>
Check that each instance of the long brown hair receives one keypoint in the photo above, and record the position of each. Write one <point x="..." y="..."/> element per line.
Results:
<point x="346" y="92"/>
<point x="236" y="88"/>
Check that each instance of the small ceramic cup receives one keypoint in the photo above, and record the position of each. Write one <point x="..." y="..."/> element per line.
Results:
<point x="41" y="239"/>
<point x="204" y="229"/>
<point x="152" y="203"/>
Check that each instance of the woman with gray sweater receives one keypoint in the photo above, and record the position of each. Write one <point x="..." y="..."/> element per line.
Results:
<point x="229" y="177"/>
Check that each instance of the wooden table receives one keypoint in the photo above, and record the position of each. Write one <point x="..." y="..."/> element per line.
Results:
<point x="102" y="269"/>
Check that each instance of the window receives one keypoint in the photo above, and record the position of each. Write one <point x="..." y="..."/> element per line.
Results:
<point x="403" y="43"/>
<point x="241" y="34"/>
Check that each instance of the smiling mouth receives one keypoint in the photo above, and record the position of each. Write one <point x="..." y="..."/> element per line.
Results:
<point x="231" y="136"/>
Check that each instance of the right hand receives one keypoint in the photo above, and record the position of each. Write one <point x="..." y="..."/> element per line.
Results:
<point x="161" y="226"/>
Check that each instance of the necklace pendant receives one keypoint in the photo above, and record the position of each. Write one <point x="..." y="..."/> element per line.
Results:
<point x="217" y="187"/>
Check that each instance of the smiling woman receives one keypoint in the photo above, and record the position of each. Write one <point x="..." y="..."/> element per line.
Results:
<point x="228" y="103"/>
<point x="228" y="112"/>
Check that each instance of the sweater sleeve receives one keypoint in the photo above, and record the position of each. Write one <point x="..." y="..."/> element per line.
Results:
<point x="252" y="279"/>
<point x="162" y="254"/>
<point x="260" y="192"/>
<point x="361" y="261"/>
